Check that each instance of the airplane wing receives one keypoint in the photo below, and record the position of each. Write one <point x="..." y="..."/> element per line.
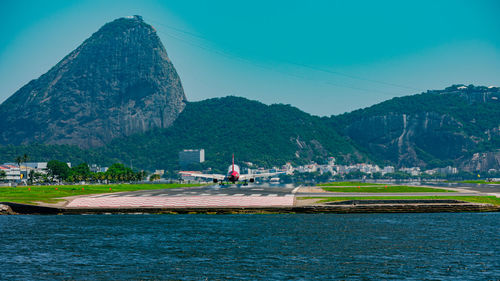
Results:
<point x="253" y="176"/>
<point x="206" y="176"/>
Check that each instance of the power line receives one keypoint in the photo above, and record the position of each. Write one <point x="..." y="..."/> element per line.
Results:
<point x="231" y="56"/>
<point x="353" y="76"/>
<point x="273" y="69"/>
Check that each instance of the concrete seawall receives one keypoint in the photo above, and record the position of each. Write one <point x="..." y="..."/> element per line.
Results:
<point x="353" y="208"/>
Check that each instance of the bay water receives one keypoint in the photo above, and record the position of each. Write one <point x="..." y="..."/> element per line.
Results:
<point x="438" y="246"/>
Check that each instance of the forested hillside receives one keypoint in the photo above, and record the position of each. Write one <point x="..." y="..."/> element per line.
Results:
<point x="458" y="126"/>
<point x="254" y="132"/>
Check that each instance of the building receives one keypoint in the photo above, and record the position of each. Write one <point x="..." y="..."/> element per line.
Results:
<point x="191" y="156"/>
<point x="94" y="168"/>
<point x="414" y="171"/>
<point x="447" y="170"/>
<point x="39" y="166"/>
<point x="12" y="173"/>
<point x="159" y="172"/>
<point x="388" y="169"/>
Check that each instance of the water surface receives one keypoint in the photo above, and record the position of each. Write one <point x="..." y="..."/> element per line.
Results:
<point x="462" y="246"/>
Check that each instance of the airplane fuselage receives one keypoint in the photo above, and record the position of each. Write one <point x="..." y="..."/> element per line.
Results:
<point x="233" y="173"/>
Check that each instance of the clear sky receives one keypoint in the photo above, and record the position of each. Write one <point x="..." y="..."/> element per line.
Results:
<point x="324" y="57"/>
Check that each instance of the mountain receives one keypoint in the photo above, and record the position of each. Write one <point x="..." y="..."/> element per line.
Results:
<point x="118" y="82"/>
<point x="254" y="132"/>
<point x="458" y="126"/>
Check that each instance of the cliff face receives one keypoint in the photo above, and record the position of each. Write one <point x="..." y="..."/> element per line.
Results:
<point x="406" y="138"/>
<point x="455" y="126"/>
<point x="118" y="82"/>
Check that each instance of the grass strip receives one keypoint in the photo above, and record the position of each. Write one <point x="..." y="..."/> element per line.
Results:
<point x="384" y="188"/>
<point x="473" y="199"/>
<point x="348" y="183"/>
<point x="50" y="194"/>
<point x="477" y="181"/>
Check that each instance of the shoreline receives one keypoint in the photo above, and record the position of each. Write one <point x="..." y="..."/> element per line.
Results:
<point x="357" y="207"/>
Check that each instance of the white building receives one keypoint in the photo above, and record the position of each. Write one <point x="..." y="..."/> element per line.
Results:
<point x="191" y="156"/>
<point x="13" y="173"/>
<point x="388" y="169"/>
<point x="431" y="172"/>
<point x="447" y="170"/>
<point x="288" y="168"/>
<point x="94" y="168"/>
<point x="414" y="171"/>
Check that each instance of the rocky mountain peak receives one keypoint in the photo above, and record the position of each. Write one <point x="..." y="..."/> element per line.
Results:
<point x="118" y="82"/>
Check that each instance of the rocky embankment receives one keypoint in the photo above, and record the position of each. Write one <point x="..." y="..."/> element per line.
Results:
<point x="6" y="210"/>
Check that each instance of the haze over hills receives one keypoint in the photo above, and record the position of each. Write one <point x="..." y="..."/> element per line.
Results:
<point x="117" y="97"/>
<point x="118" y="82"/>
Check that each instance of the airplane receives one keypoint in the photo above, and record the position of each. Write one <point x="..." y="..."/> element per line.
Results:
<point x="233" y="175"/>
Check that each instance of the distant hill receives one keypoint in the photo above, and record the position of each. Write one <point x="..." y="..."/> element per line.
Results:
<point x="118" y="82"/>
<point x="458" y="126"/>
<point x="255" y="132"/>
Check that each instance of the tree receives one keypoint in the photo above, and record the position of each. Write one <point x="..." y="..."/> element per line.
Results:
<point x="81" y="172"/>
<point x="118" y="172"/>
<point x="31" y="176"/>
<point x="3" y="175"/>
<point x="19" y="160"/>
<point x="25" y="159"/>
<point x="154" y="177"/>
<point x="58" y="169"/>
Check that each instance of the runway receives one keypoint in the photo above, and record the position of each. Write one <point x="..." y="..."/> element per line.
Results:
<point x="229" y="196"/>
<point x="206" y="196"/>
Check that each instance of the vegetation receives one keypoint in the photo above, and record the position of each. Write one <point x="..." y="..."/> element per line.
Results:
<point x="264" y="135"/>
<point x="60" y="171"/>
<point x="386" y="188"/>
<point x="479" y="182"/>
<point x="464" y="105"/>
<point x="474" y="199"/>
<point x="43" y="152"/>
<point x="348" y="183"/>
<point x="273" y="135"/>
<point x="254" y="132"/>
<point x="53" y="193"/>
<point x="472" y="109"/>
<point x="154" y="177"/>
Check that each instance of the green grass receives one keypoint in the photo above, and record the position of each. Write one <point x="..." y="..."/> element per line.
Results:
<point x="477" y="181"/>
<point x="385" y="188"/>
<point x="50" y="194"/>
<point x="474" y="199"/>
<point x="348" y="183"/>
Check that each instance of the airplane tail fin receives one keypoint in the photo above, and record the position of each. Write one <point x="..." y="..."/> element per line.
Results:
<point x="233" y="162"/>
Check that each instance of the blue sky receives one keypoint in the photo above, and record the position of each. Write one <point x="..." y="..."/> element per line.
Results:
<point x="324" y="57"/>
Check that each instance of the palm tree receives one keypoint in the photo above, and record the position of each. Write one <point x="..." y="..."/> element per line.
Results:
<point x="25" y="159"/>
<point x="32" y="176"/>
<point x="19" y="160"/>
